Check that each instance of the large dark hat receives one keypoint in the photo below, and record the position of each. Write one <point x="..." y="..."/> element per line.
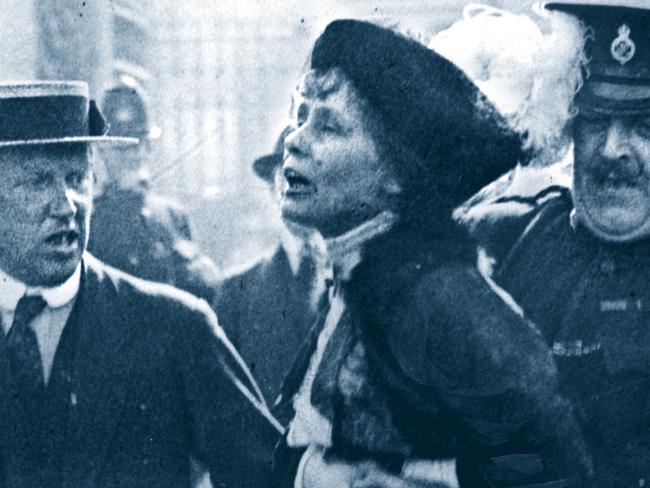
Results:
<point x="51" y="112"/>
<point x="618" y="50"/>
<point x="265" y="166"/>
<point x="126" y="108"/>
<point x="426" y="102"/>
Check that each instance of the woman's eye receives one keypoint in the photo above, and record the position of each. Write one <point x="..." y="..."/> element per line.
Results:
<point x="301" y="116"/>
<point x="331" y="127"/>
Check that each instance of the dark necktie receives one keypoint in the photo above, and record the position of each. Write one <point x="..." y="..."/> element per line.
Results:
<point x="22" y="346"/>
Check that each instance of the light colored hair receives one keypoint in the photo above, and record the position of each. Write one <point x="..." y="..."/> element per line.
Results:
<point x="529" y="67"/>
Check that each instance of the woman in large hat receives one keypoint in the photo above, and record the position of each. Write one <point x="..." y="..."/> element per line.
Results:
<point x="427" y="360"/>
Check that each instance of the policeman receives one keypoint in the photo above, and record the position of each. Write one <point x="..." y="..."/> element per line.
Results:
<point x="581" y="268"/>
<point x="134" y="229"/>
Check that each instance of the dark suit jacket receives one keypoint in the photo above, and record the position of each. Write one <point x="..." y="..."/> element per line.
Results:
<point x="149" y="390"/>
<point x="266" y="312"/>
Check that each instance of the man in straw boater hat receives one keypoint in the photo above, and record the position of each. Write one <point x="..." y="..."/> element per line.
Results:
<point x="581" y="268"/>
<point x="105" y="380"/>
<point x="417" y="357"/>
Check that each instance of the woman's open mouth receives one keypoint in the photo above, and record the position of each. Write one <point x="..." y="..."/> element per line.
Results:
<point x="297" y="184"/>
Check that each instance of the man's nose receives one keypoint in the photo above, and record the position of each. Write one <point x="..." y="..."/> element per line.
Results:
<point x="616" y="144"/>
<point x="62" y="202"/>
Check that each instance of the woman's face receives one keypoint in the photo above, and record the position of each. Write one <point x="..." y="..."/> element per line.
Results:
<point x="334" y="178"/>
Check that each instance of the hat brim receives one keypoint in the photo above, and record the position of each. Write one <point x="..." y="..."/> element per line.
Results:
<point x="122" y="141"/>
<point x="614" y="98"/>
<point x="266" y="166"/>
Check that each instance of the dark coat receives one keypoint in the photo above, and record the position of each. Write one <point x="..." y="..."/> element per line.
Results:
<point x="148" y="391"/>
<point x="267" y="312"/>
<point x="149" y="236"/>
<point x="437" y="366"/>
<point x="591" y="300"/>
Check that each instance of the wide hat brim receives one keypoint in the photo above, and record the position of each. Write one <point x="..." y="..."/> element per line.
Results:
<point x="426" y="103"/>
<point x="121" y="141"/>
<point x="265" y="166"/>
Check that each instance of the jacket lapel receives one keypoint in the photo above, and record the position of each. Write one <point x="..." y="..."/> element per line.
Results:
<point x="283" y="407"/>
<point x="10" y="425"/>
<point x="102" y="367"/>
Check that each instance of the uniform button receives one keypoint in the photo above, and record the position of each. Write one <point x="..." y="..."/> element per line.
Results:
<point x="607" y="266"/>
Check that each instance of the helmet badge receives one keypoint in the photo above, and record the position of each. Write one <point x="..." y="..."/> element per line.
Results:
<point x="623" y="48"/>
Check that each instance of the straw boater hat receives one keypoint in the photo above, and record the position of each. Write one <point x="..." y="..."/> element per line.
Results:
<point x="51" y="112"/>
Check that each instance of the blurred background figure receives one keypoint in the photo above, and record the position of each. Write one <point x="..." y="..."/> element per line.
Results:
<point x="133" y="228"/>
<point x="268" y="308"/>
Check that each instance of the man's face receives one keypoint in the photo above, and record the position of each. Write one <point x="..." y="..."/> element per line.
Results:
<point x="124" y="163"/>
<point x="334" y="179"/>
<point x="45" y="204"/>
<point x="612" y="175"/>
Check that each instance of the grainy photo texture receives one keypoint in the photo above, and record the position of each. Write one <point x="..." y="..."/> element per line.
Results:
<point x="337" y="244"/>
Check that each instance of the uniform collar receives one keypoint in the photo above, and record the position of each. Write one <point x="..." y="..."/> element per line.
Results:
<point x="11" y="290"/>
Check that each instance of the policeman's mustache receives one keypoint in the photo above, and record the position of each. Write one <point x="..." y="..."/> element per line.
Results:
<point x="620" y="172"/>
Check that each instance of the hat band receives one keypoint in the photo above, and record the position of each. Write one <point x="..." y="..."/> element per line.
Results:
<point x="613" y="97"/>
<point x="44" y="117"/>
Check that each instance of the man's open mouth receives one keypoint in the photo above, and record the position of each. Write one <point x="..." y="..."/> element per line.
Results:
<point x="63" y="239"/>
<point x="297" y="184"/>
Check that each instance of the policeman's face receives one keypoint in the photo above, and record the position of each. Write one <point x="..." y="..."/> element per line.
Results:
<point x="334" y="179"/>
<point x="124" y="163"/>
<point x="45" y="203"/>
<point x="612" y="175"/>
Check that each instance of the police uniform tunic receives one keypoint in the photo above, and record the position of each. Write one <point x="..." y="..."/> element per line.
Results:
<point x="591" y="300"/>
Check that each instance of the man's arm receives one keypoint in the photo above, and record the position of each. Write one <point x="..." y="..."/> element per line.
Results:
<point x="226" y="414"/>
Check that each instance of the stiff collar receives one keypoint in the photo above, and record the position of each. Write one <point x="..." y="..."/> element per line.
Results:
<point x="11" y="290"/>
<point x="295" y="248"/>
<point x="344" y="251"/>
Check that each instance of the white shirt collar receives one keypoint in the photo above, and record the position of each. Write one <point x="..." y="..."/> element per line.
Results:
<point x="295" y="249"/>
<point x="11" y="290"/>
